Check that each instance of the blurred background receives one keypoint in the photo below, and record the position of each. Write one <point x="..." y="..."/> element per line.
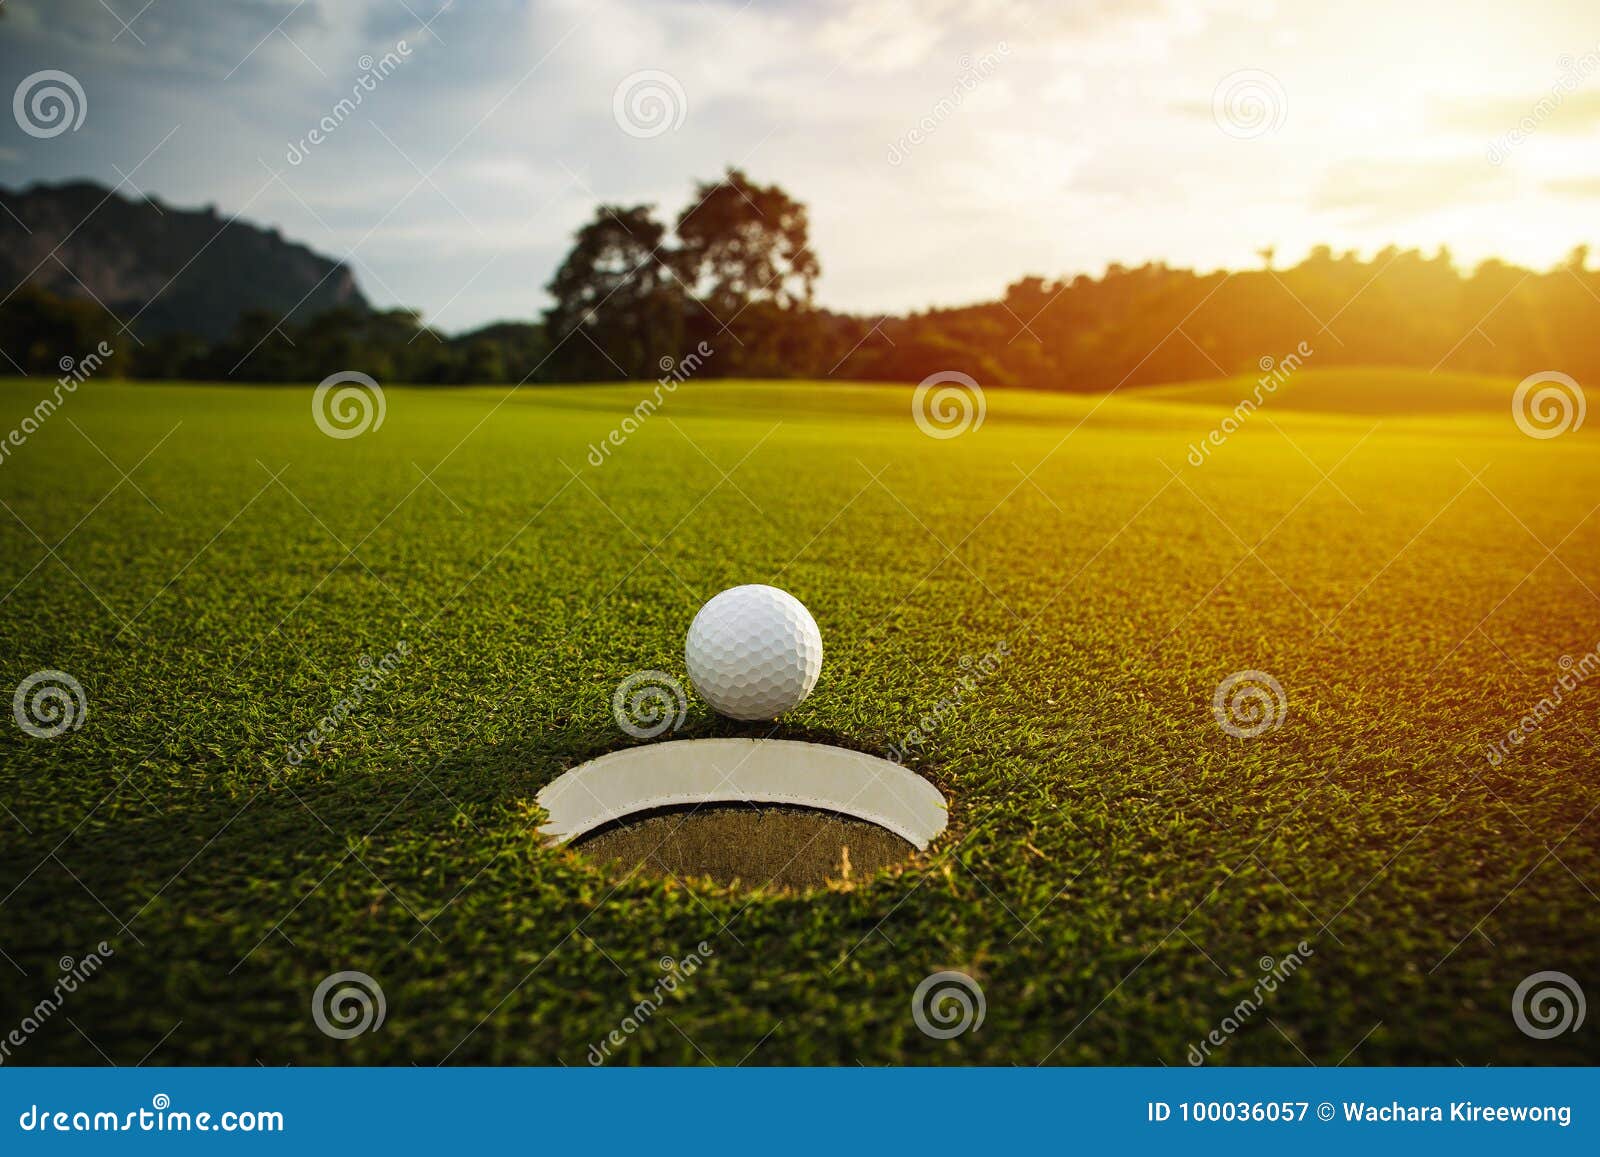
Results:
<point x="259" y="189"/>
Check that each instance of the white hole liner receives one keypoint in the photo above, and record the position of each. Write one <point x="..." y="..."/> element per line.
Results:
<point x="694" y="771"/>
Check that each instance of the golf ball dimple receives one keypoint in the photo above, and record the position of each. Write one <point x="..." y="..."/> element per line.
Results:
<point x="754" y="652"/>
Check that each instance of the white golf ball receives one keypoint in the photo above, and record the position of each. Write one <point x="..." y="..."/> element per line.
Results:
<point x="754" y="652"/>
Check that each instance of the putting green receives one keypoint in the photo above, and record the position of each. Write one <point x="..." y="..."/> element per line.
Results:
<point x="1039" y="612"/>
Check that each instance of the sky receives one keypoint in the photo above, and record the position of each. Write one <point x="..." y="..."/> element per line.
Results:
<point x="944" y="149"/>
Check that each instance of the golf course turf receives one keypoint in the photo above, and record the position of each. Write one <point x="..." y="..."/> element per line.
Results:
<point x="1045" y="605"/>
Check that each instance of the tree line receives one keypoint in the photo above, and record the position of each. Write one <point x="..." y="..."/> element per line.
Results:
<point x="735" y="272"/>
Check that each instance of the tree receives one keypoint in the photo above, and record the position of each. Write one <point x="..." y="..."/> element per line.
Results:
<point x="741" y="243"/>
<point x="617" y="311"/>
<point x="41" y="333"/>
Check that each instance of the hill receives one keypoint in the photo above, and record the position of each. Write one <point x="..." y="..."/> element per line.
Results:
<point x="168" y="270"/>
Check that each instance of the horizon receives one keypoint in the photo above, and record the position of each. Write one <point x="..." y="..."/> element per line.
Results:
<point x="1279" y="263"/>
<point x="456" y="183"/>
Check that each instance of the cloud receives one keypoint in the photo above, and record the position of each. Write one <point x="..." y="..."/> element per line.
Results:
<point x="1092" y="141"/>
<point x="1584" y="188"/>
<point x="1383" y="190"/>
<point x="1562" y="111"/>
<point x="188" y="38"/>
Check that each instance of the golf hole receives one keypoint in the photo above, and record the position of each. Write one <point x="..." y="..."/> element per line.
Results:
<point x="751" y="812"/>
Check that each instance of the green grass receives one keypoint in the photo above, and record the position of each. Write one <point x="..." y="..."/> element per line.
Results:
<point x="1383" y="393"/>
<point x="1116" y="865"/>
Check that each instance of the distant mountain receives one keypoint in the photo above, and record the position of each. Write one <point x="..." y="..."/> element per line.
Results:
<point x="179" y="270"/>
